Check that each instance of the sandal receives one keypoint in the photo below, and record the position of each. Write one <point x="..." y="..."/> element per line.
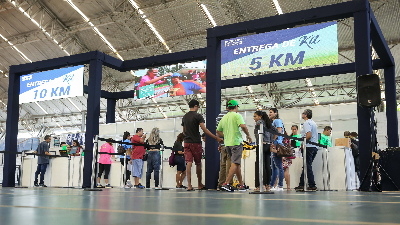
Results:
<point x="190" y="189"/>
<point x="203" y="188"/>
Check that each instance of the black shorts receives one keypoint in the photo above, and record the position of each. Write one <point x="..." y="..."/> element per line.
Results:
<point x="180" y="163"/>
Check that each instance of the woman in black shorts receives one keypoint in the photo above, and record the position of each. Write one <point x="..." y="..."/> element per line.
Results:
<point x="179" y="160"/>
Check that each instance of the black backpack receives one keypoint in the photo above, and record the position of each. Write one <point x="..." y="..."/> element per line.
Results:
<point x="121" y="149"/>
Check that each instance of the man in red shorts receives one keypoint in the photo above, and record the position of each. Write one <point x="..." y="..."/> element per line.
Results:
<point x="192" y="148"/>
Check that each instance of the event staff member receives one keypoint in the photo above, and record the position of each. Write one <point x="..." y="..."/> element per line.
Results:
<point x="151" y="78"/>
<point x="225" y="163"/>
<point x="192" y="147"/>
<point x="186" y="87"/>
<point x="137" y="156"/>
<point x="326" y="136"/>
<point x="229" y="128"/>
<point x="309" y="132"/>
<point x="295" y="143"/>
<point x="105" y="163"/>
<point x="43" y="161"/>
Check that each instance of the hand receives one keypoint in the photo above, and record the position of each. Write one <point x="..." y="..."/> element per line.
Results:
<point x="220" y="140"/>
<point x="249" y="139"/>
<point x="219" y="148"/>
<point x="144" y="136"/>
<point x="167" y="75"/>
<point x="272" y="148"/>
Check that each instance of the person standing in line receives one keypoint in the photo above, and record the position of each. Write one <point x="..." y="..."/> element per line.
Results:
<point x="355" y="151"/>
<point x="179" y="160"/>
<point x="154" y="157"/>
<point x="225" y="162"/>
<point x="43" y="161"/>
<point x="228" y="128"/>
<point x="137" y="156"/>
<point x="105" y="163"/>
<point x="192" y="148"/>
<point x="261" y="118"/>
<point x="128" y="148"/>
<point x="309" y="132"/>
<point x="277" y="168"/>
<point x="326" y="136"/>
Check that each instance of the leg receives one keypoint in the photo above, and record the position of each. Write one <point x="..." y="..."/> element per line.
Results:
<point x="239" y="174"/>
<point x="37" y="173"/>
<point x="178" y="178"/>
<point x="101" y="169"/>
<point x="232" y="171"/>
<point x="267" y="166"/>
<point x="222" y="167"/>
<point x="257" y="171"/>
<point x="199" y="176"/>
<point x="311" y="153"/>
<point x="156" y="166"/>
<point x="278" y="163"/>
<point x="189" y="174"/>
<point x="149" y="169"/>
<point x="42" y="172"/>
<point x="107" y="168"/>
<point x="183" y="177"/>
<point x="287" y="177"/>
<point x="136" y="170"/>
<point x="274" y="171"/>
<point x="228" y="167"/>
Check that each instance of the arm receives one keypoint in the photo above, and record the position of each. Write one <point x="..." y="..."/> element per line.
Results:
<point x="206" y="131"/>
<point x="203" y="90"/>
<point x="129" y="152"/>
<point x="156" y="79"/>
<point x="220" y="134"/>
<point x="142" y="139"/>
<point x="246" y="131"/>
<point x="308" y="135"/>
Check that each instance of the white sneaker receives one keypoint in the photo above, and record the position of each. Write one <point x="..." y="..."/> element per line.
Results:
<point x="129" y="183"/>
<point x="273" y="189"/>
<point x="279" y="189"/>
<point x="127" y="186"/>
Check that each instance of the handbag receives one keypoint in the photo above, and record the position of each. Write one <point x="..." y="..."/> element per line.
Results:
<point x="284" y="150"/>
<point x="121" y="149"/>
<point x="172" y="159"/>
<point x="145" y="156"/>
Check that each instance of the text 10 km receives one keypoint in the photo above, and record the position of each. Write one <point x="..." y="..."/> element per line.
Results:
<point x="55" y="92"/>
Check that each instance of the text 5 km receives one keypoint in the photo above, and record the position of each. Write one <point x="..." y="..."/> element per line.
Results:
<point x="256" y="63"/>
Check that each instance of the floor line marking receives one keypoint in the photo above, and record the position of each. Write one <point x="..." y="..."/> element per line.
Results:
<point x="227" y="216"/>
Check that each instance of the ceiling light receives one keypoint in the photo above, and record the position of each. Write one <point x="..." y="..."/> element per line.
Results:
<point x="41" y="108"/>
<point x="208" y="15"/>
<point x="150" y="25"/>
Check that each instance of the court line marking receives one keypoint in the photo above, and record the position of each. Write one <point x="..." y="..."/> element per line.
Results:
<point x="226" y="216"/>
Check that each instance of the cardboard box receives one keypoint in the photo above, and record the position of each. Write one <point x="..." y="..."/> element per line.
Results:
<point x="342" y="142"/>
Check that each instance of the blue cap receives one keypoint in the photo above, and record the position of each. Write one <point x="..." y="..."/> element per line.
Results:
<point x="176" y="75"/>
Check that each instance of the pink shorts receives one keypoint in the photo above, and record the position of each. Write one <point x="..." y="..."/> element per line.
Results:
<point x="193" y="151"/>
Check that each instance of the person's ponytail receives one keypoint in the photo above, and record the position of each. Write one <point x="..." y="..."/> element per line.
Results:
<point x="267" y="120"/>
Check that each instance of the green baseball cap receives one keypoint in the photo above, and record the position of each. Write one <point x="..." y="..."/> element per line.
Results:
<point x="233" y="103"/>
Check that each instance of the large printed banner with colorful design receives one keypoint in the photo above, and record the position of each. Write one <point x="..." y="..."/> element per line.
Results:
<point x="52" y="84"/>
<point x="297" y="47"/>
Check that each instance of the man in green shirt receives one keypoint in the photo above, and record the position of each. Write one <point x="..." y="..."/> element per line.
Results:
<point x="229" y="128"/>
<point x="325" y="136"/>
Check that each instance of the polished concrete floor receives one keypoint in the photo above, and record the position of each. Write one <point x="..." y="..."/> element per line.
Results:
<point x="132" y="206"/>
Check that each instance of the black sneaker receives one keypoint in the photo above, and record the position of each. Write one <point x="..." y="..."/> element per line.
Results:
<point x="100" y="186"/>
<point x="299" y="188"/>
<point x="312" y="188"/>
<point x="42" y="185"/>
<point x="108" y="186"/>
<point x="243" y="188"/>
<point x="36" y="185"/>
<point x="227" y="187"/>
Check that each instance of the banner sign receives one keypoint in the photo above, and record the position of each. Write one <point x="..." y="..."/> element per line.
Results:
<point x="297" y="47"/>
<point x="53" y="84"/>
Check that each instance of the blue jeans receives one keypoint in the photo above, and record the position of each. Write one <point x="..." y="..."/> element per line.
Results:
<point x="311" y="153"/>
<point x="41" y="168"/>
<point x="277" y="168"/>
<point x="153" y="163"/>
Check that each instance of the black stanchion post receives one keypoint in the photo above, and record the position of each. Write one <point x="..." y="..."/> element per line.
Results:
<point x="305" y="163"/>
<point x="94" y="167"/>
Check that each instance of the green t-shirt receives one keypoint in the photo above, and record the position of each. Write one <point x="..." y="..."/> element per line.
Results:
<point x="229" y="125"/>
<point x="325" y="140"/>
<point x="297" y="142"/>
<point x="64" y="147"/>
